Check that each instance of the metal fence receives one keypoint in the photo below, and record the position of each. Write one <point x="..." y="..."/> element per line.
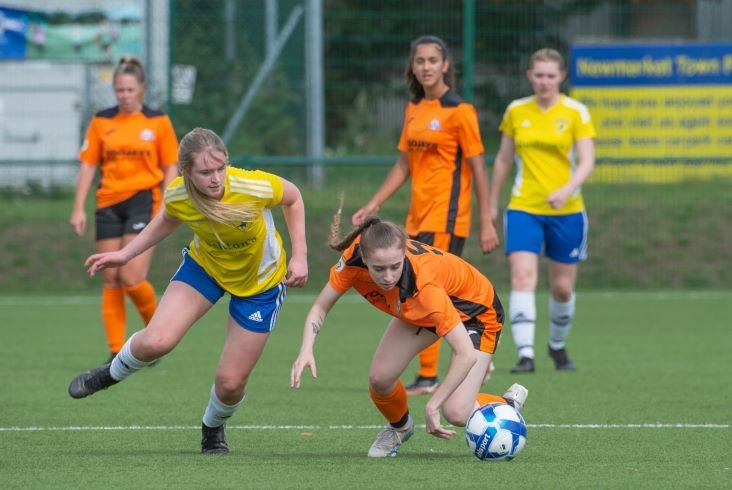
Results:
<point x="254" y="69"/>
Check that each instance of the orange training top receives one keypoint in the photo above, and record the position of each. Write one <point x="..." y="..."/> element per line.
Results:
<point x="131" y="149"/>
<point x="436" y="289"/>
<point x="437" y="137"/>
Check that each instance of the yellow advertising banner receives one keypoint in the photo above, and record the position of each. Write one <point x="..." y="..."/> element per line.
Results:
<point x="668" y="123"/>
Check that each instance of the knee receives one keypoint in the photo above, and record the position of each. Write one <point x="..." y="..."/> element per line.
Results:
<point x="230" y="386"/>
<point x="380" y="385"/>
<point x="457" y="416"/>
<point x="522" y="280"/>
<point x="129" y="280"/>
<point x="149" y="345"/>
<point x="562" y="293"/>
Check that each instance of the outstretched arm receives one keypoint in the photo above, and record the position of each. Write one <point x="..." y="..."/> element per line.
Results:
<point x="293" y="208"/>
<point x="313" y="323"/>
<point x="488" y="236"/>
<point x="396" y="178"/>
<point x="160" y="227"/>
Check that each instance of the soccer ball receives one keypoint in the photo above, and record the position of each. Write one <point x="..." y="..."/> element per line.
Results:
<point x="495" y="432"/>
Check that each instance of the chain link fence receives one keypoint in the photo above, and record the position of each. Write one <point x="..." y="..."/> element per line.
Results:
<point x="240" y="67"/>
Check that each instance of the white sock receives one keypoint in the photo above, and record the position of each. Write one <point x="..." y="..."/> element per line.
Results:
<point x="560" y="323"/>
<point x="522" y="311"/>
<point x="217" y="411"/>
<point x="125" y="363"/>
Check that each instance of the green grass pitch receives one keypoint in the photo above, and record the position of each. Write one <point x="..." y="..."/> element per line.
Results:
<point x="649" y="406"/>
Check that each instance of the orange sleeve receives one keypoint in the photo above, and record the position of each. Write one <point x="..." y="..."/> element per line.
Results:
<point x="403" y="147"/>
<point x="341" y="276"/>
<point x="436" y="306"/>
<point x="468" y="131"/>
<point x="168" y="146"/>
<point x="91" y="148"/>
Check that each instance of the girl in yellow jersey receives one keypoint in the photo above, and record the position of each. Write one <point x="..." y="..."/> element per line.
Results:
<point x="442" y="151"/>
<point x="550" y="136"/>
<point x="235" y="249"/>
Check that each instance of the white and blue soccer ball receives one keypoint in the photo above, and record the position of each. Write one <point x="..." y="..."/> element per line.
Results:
<point x="495" y="432"/>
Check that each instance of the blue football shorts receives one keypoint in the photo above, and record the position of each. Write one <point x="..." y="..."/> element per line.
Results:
<point x="564" y="237"/>
<point x="256" y="313"/>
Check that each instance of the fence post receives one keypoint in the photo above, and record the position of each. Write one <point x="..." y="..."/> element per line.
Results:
<point x="468" y="49"/>
<point x="315" y="91"/>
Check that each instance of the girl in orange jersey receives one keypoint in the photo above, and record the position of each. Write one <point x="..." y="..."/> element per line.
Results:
<point x="429" y="294"/>
<point x="442" y="151"/>
<point x="136" y="150"/>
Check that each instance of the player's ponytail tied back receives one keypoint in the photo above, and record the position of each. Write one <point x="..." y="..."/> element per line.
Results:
<point x="334" y="240"/>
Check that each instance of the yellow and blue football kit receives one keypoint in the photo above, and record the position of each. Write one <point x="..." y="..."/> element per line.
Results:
<point x="249" y="257"/>
<point x="545" y="156"/>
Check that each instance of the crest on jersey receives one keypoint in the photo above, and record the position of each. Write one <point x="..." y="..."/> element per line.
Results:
<point x="435" y="125"/>
<point x="341" y="264"/>
<point x="147" y="135"/>
<point x="561" y="124"/>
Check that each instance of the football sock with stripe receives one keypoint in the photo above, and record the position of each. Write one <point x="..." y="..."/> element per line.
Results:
<point x="393" y="406"/>
<point x="522" y="311"/>
<point x="217" y="411"/>
<point x="125" y="363"/>
<point x="561" y="316"/>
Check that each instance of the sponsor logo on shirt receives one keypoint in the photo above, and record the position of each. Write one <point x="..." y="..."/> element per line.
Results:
<point x="417" y="145"/>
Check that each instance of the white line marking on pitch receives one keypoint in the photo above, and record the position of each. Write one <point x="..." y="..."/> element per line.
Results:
<point x="351" y="427"/>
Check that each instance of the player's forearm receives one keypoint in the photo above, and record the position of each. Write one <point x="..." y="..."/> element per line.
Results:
<point x="501" y="167"/>
<point x="586" y="157"/>
<point x="161" y="226"/>
<point x="313" y="323"/>
<point x="460" y="364"/>
<point x="295" y="219"/>
<point x="394" y="180"/>
<point x="83" y="183"/>
<point x="482" y="189"/>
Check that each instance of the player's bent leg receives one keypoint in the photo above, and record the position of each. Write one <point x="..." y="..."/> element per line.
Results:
<point x="462" y="402"/>
<point x="180" y="307"/>
<point x="242" y="350"/>
<point x="398" y="346"/>
<point x="426" y="381"/>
